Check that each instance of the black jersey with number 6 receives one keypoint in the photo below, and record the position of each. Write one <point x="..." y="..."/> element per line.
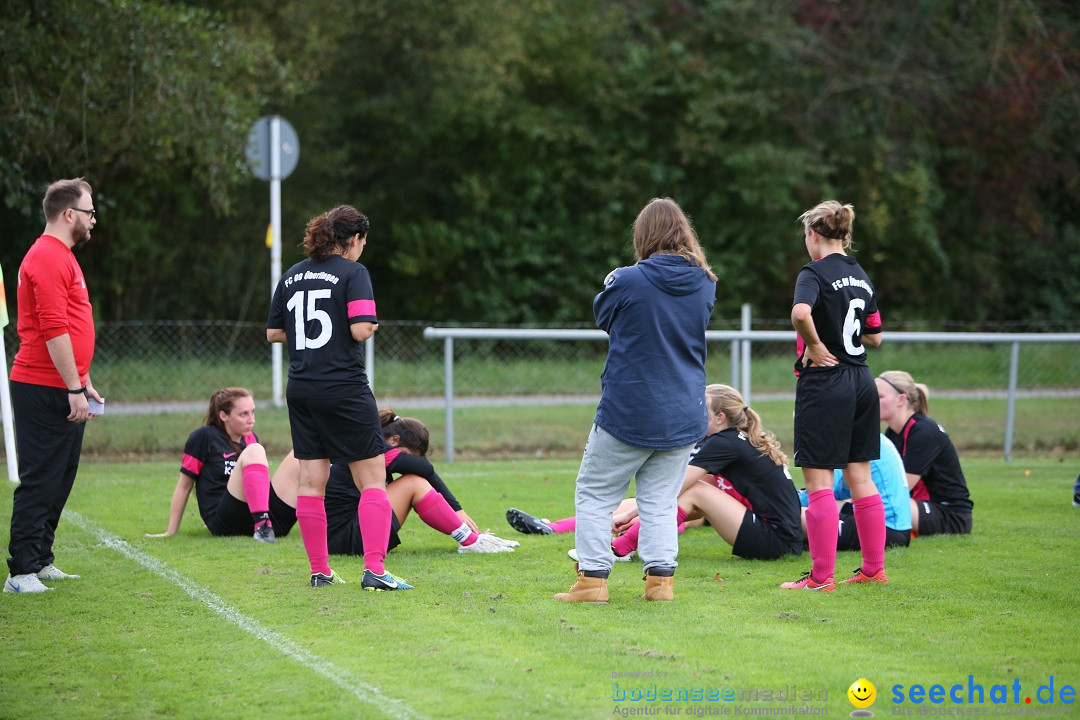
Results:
<point x="844" y="307"/>
<point x="316" y="304"/>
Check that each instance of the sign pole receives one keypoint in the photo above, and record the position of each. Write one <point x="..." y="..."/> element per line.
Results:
<point x="272" y="153"/>
<point x="275" y="248"/>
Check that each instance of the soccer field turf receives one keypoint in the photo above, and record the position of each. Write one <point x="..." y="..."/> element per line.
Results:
<point x="201" y="627"/>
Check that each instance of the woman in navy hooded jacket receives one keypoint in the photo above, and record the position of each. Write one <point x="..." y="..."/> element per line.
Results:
<point x="652" y="405"/>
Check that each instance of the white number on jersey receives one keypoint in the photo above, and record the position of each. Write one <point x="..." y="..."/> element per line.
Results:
<point x="853" y="328"/>
<point x="326" y="327"/>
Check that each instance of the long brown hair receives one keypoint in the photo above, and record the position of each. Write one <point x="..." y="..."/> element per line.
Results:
<point x="412" y="433"/>
<point x="663" y="228"/>
<point x="222" y="401"/>
<point x="726" y="399"/>
<point x="330" y="233"/>
<point x="917" y="394"/>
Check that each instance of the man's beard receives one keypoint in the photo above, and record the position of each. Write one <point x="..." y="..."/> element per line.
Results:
<point x="80" y="234"/>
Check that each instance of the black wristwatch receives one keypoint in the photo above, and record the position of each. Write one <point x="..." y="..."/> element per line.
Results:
<point x="77" y="391"/>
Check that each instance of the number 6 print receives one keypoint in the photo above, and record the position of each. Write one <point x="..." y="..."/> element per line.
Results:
<point x="853" y="326"/>
<point x="296" y="304"/>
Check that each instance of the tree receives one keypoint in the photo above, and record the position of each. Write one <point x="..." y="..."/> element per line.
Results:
<point x="151" y="102"/>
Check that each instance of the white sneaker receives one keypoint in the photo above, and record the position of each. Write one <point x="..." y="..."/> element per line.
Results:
<point x="51" y="572"/>
<point x="501" y="541"/>
<point x="24" y="583"/>
<point x="484" y="544"/>
<point x="572" y="552"/>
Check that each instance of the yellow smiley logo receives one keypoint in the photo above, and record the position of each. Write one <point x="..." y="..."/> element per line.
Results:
<point x="862" y="693"/>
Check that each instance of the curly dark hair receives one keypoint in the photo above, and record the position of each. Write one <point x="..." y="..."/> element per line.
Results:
<point x="333" y="230"/>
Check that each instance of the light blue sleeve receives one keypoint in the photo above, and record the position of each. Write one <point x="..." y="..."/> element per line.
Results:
<point x="891" y="481"/>
<point x="840" y="489"/>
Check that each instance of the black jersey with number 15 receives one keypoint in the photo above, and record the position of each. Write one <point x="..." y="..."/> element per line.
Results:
<point x="844" y="307"/>
<point x="316" y="304"/>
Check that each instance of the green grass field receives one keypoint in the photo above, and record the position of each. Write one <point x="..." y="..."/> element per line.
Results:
<point x="1045" y="427"/>
<point x="133" y="373"/>
<point x="202" y="627"/>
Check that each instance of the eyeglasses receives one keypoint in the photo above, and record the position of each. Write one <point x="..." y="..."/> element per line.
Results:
<point x="91" y="213"/>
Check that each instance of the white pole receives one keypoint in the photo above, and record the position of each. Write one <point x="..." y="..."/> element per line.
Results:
<point x="275" y="246"/>
<point x="448" y="395"/>
<point x="746" y="367"/>
<point x="9" y="422"/>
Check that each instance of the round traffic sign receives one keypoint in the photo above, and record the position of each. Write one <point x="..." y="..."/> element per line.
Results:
<point x="258" y="149"/>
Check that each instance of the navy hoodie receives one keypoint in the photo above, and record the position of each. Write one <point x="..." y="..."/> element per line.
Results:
<point x="653" y="387"/>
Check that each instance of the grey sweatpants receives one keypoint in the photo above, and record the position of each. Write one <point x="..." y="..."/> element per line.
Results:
<point x="603" y="479"/>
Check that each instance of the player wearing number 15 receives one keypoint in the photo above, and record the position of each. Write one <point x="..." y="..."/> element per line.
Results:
<point x="323" y="309"/>
<point x="836" y="408"/>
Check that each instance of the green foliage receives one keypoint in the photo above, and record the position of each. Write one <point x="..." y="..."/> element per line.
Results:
<point x="151" y="102"/>
<point x="502" y="149"/>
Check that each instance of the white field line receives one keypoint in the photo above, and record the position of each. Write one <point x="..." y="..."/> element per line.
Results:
<point x="360" y="690"/>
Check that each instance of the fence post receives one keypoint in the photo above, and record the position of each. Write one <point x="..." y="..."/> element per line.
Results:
<point x="746" y="354"/>
<point x="736" y="345"/>
<point x="1010" y="412"/>
<point x="448" y="395"/>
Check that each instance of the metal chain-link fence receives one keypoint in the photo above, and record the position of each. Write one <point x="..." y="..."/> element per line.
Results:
<point x="184" y="361"/>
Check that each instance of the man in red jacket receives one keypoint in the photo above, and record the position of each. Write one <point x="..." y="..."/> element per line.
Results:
<point x="50" y="382"/>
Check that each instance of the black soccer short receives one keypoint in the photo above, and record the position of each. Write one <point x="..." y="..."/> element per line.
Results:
<point x="848" y="535"/>
<point x="936" y="519"/>
<point x="836" y="418"/>
<point x="233" y="517"/>
<point x="758" y="540"/>
<point x="341" y="429"/>
<point x="343" y="532"/>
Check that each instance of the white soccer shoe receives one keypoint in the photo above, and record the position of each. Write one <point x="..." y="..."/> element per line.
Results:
<point x="24" y="584"/>
<point x="51" y="572"/>
<point x="485" y="544"/>
<point x="501" y="541"/>
<point x="572" y="552"/>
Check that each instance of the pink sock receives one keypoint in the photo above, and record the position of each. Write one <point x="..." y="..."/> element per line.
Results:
<point x="256" y="482"/>
<point x="628" y="541"/>
<point x="870" y="522"/>
<point x="374" y="514"/>
<point x="311" y="517"/>
<point x="822" y="519"/>
<point x="565" y="525"/>
<point x="437" y="513"/>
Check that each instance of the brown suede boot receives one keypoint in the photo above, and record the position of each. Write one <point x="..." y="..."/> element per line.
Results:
<point x="659" y="588"/>
<point x="585" y="590"/>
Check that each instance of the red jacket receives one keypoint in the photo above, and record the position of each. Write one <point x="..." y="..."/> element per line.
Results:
<point x="53" y="300"/>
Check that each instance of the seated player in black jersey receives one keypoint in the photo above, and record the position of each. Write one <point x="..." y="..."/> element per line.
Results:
<point x="225" y="464"/>
<point x="737" y="480"/>
<point x="411" y="483"/>
<point x="940" y="503"/>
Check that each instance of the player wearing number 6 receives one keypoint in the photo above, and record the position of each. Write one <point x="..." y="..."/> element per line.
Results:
<point x="836" y="406"/>
<point x="323" y="309"/>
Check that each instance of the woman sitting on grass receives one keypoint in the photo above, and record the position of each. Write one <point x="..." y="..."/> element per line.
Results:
<point x="417" y="486"/>
<point x="887" y="473"/>
<point x="225" y="464"/>
<point x="737" y="479"/>
<point x="940" y="503"/>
